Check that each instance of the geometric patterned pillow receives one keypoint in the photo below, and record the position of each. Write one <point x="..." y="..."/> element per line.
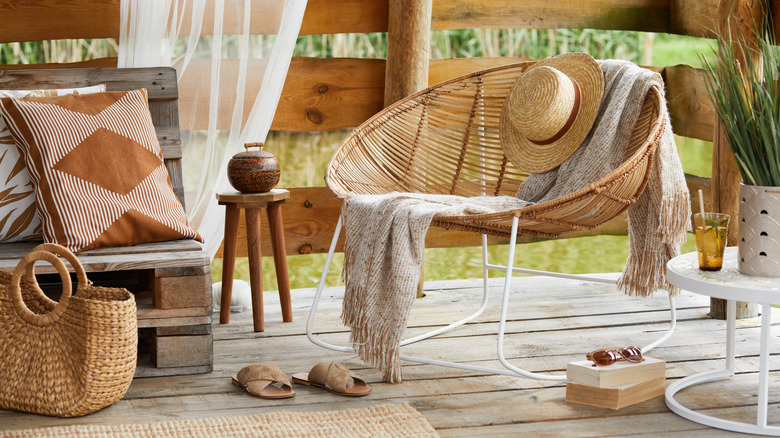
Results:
<point x="97" y="168"/>
<point x="18" y="219"/>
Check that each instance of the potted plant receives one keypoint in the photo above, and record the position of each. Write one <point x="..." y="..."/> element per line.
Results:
<point x="745" y="90"/>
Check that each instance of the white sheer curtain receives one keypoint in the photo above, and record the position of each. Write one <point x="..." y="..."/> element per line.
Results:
<point x="229" y="81"/>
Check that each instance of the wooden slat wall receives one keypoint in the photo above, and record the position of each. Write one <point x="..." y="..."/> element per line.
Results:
<point x="100" y="19"/>
<point x="311" y="213"/>
<point x="336" y="93"/>
<point x="330" y="94"/>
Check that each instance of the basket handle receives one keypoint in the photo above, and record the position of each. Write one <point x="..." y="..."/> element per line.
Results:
<point x="60" y="250"/>
<point x="27" y="265"/>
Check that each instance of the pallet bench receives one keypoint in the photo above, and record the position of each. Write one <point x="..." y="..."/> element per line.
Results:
<point x="171" y="280"/>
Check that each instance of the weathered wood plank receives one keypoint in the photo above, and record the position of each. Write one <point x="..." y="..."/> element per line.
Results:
<point x="646" y="15"/>
<point x="320" y="94"/>
<point x="145" y="368"/>
<point x="50" y="20"/>
<point x="160" y="82"/>
<point x="89" y="19"/>
<point x="148" y="315"/>
<point x="144" y="256"/>
<point x="330" y="94"/>
<point x="458" y="402"/>
<point x="182" y="351"/>
<point x="109" y="62"/>
<point x="182" y="291"/>
<point x="441" y="70"/>
<point x="344" y="16"/>
<point x="85" y="19"/>
<point x="126" y="262"/>
<point x="311" y="213"/>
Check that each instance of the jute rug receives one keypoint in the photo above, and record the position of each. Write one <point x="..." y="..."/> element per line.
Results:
<point x="386" y="420"/>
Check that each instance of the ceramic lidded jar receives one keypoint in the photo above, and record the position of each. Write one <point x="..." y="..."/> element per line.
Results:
<point x="253" y="171"/>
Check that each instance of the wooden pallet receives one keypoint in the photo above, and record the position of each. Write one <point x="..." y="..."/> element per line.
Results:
<point x="172" y="285"/>
<point x="171" y="280"/>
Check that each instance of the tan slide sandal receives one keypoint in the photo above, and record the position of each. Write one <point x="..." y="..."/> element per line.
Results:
<point x="334" y="377"/>
<point x="264" y="381"/>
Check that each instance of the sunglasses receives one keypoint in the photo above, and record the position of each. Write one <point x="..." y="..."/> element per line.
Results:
<point x="605" y="356"/>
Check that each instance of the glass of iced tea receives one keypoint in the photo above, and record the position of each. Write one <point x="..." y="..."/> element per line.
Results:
<point x="712" y="232"/>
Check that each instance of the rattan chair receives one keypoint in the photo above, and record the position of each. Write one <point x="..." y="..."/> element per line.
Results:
<point x="445" y="140"/>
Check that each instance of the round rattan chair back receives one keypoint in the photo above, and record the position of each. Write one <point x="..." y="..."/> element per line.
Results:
<point x="445" y="140"/>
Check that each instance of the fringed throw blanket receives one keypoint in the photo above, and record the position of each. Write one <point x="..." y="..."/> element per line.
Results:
<point x="385" y="239"/>
<point x="658" y="220"/>
<point x="385" y="234"/>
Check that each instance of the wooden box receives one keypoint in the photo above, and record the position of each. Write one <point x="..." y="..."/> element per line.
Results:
<point x="616" y="397"/>
<point x="619" y="373"/>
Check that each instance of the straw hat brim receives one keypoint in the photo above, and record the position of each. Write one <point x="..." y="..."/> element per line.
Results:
<point x="536" y="158"/>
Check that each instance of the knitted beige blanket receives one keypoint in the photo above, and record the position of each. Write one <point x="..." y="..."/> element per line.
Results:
<point x="385" y="234"/>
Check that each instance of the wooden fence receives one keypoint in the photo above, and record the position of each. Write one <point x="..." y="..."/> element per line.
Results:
<point x="329" y="94"/>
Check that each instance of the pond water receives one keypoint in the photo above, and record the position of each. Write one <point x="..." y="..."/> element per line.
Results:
<point x="304" y="156"/>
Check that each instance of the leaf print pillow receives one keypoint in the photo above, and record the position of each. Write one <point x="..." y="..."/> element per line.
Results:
<point x="18" y="218"/>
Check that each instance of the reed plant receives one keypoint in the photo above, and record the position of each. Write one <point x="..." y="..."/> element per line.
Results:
<point x="57" y="51"/>
<point x="744" y="88"/>
<point x="469" y="43"/>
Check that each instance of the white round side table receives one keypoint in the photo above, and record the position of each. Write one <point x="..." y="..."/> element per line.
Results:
<point x="728" y="284"/>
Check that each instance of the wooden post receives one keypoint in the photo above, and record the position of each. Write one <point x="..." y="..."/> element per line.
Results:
<point x="738" y="18"/>
<point x="408" y="55"/>
<point x="408" y="48"/>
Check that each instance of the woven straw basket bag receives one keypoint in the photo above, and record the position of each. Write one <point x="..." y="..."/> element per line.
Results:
<point x="66" y="358"/>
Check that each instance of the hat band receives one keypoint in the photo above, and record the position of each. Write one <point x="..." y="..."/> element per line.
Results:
<point x="575" y="109"/>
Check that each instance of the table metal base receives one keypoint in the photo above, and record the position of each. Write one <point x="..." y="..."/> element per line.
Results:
<point x="760" y="427"/>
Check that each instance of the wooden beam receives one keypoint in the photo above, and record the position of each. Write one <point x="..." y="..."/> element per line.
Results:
<point x="441" y="70"/>
<point x="316" y="90"/>
<point x="91" y="63"/>
<point x="311" y="213"/>
<point x="693" y="17"/>
<point x="74" y="19"/>
<point x="54" y="20"/>
<point x="320" y="94"/>
<point x="344" y="16"/>
<point x="645" y="15"/>
<point x="408" y="41"/>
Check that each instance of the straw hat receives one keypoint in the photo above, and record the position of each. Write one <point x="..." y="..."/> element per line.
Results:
<point x="550" y="110"/>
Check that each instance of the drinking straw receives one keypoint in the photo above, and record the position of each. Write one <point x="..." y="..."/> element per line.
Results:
<point x="701" y="203"/>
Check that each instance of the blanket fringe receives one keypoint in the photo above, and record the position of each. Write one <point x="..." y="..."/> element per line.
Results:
<point x="645" y="272"/>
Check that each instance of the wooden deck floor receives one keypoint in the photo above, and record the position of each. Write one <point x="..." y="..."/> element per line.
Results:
<point x="552" y="322"/>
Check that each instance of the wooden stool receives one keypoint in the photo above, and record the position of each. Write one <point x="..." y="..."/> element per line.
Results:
<point x="252" y="203"/>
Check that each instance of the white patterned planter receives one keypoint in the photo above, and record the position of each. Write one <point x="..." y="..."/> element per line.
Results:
<point x="759" y="230"/>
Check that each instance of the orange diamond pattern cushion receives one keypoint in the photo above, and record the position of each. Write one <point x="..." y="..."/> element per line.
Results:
<point x="18" y="218"/>
<point x="97" y="168"/>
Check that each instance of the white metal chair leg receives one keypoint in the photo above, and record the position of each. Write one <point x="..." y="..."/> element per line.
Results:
<point x="505" y="306"/>
<point x="318" y="293"/>
<point x="321" y="287"/>
<point x="510" y="370"/>
<point x="469" y="318"/>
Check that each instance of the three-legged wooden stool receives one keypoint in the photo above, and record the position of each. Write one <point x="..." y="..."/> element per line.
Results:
<point x="252" y="203"/>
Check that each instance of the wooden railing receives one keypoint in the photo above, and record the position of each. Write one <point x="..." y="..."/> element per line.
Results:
<point x="329" y="94"/>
